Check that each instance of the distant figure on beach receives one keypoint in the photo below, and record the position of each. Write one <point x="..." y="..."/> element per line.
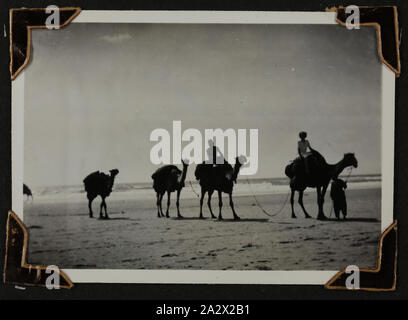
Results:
<point x="220" y="178"/>
<point x="312" y="170"/>
<point x="99" y="184"/>
<point x="338" y="197"/>
<point x="168" y="179"/>
<point x="27" y="192"/>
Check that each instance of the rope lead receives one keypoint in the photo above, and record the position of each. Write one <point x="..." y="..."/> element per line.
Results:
<point x="262" y="208"/>
<point x="191" y="185"/>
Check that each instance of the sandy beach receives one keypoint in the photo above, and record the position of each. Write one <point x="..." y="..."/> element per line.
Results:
<point x="61" y="233"/>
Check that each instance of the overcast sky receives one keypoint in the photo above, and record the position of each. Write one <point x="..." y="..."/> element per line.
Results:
<point x="95" y="92"/>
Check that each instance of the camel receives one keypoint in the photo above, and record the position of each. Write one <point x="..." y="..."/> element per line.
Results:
<point x="99" y="184"/>
<point x="27" y="192"/>
<point x="319" y="175"/>
<point x="168" y="179"/>
<point x="220" y="178"/>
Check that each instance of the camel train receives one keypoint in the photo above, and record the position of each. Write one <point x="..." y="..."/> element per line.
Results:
<point x="220" y="178"/>
<point x="308" y="172"/>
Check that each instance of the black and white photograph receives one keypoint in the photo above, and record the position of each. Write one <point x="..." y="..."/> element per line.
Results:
<point x="217" y="146"/>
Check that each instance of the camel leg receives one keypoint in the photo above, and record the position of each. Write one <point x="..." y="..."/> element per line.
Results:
<point x="324" y="189"/>
<point x="344" y="211"/>
<point x="236" y="217"/>
<point x="220" y="204"/>
<point x="100" y="212"/>
<point x="104" y="206"/>
<point x="90" y="199"/>
<point x="201" y="203"/>
<point x="210" y="193"/>
<point x="168" y="204"/>
<point x="300" y="200"/>
<point x="178" y="204"/>
<point x="90" y="208"/>
<point x="320" y="215"/>
<point x="158" y="204"/>
<point x="318" y="191"/>
<point x="336" y="210"/>
<point x="292" y="201"/>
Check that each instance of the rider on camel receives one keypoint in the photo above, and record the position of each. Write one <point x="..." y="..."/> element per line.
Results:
<point x="303" y="146"/>
<point x="304" y="151"/>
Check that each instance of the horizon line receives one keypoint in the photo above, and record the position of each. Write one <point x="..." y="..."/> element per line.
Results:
<point x="194" y="180"/>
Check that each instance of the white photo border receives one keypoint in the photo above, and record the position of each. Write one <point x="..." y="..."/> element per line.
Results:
<point x="300" y="277"/>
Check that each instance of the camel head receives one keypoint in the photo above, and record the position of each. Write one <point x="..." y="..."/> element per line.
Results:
<point x="114" y="172"/>
<point x="239" y="161"/>
<point x="185" y="162"/>
<point x="349" y="159"/>
<point x="181" y="178"/>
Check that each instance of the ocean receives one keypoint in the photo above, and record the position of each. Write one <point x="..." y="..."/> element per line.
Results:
<point x="144" y="190"/>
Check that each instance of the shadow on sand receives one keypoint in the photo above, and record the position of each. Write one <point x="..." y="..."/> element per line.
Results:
<point x="189" y="218"/>
<point x="216" y="220"/>
<point x="81" y="214"/>
<point x="110" y="218"/>
<point x="242" y="220"/>
<point x="354" y="220"/>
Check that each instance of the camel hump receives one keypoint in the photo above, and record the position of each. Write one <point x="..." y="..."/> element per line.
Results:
<point x="92" y="180"/>
<point x="201" y="170"/>
<point x="289" y="172"/>
<point x="318" y="157"/>
<point x="315" y="163"/>
<point x="225" y="170"/>
<point x="165" y="171"/>
<point x="91" y="176"/>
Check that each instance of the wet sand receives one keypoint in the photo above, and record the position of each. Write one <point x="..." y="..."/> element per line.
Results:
<point x="134" y="238"/>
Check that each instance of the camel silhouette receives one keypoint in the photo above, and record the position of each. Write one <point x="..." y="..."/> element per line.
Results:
<point x="99" y="184"/>
<point x="168" y="179"/>
<point x="318" y="175"/>
<point x="27" y="192"/>
<point x="220" y="178"/>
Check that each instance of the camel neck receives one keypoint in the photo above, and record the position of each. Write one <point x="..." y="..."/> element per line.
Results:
<point x="184" y="174"/>
<point x="112" y="180"/>
<point x="236" y="171"/>
<point x="336" y="169"/>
